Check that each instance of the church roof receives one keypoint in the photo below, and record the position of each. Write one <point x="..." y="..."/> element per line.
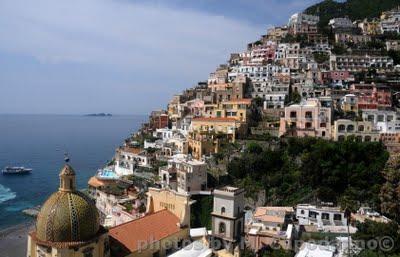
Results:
<point x="150" y="228"/>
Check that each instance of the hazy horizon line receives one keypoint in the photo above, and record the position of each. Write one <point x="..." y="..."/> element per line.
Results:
<point x="75" y="114"/>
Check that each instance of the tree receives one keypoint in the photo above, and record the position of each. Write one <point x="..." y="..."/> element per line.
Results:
<point x="395" y="55"/>
<point x="321" y="57"/>
<point x="254" y="148"/>
<point x="390" y="190"/>
<point x="339" y="49"/>
<point x="371" y="230"/>
<point x="295" y="97"/>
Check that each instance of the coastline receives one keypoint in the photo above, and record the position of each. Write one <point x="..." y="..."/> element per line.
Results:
<point x="13" y="239"/>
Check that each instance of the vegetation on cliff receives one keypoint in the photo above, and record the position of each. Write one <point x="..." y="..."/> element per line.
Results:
<point x="309" y="169"/>
<point x="354" y="9"/>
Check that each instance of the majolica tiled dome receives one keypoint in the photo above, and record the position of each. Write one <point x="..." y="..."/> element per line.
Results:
<point x="68" y="215"/>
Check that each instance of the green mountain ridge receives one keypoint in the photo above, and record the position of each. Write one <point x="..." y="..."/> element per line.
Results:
<point x="353" y="9"/>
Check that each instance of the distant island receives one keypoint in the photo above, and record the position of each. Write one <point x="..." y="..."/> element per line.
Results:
<point x="99" y="114"/>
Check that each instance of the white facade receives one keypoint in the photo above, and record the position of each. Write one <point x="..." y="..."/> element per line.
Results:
<point x="299" y="18"/>
<point x="338" y="23"/>
<point x="320" y="216"/>
<point x="274" y="101"/>
<point x="128" y="159"/>
<point x="184" y="175"/>
<point x="384" y="121"/>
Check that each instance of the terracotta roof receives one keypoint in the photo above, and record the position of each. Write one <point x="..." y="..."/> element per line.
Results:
<point x="96" y="182"/>
<point x="150" y="228"/>
<point x="270" y="218"/>
<point x="219" y="119"/>
<point x="272" y="213"/>
<point x="132" y="150"/>
<point x="263" y="210"/>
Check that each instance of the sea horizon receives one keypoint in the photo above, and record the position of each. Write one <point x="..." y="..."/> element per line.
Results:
<point x="39" y="141"/>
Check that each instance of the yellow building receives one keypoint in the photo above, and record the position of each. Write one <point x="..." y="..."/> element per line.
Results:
<point x="203" y="144"/>
<point x="160" y="232"/>
<point x="177" y="203"/>
<point x="236" y="109"/>
<point x="68" y="224"/>
<point x="363" y="131"/>
<point x="226" y="126"/>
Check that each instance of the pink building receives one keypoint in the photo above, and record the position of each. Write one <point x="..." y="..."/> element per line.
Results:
<point x="372" y="96"/>
<point x="337" y="77"/>
<point x="195" y="107"/>
<point x="311" y="118"/>
<point x="264" y="53"/>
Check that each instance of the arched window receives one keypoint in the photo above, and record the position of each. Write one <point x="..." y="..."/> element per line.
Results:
<point x="223" y="210"/>
<point x="361" y="128"/>
<point x="367" y="139"/>
<point x="350" y="127"/>
<point x="222" y="228"/>
<point x="342" y="127"/>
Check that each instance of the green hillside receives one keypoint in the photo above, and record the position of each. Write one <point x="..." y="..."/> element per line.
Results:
<point x="354" y="9"/>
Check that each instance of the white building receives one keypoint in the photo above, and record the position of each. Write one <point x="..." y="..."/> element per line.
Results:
<point x="320" y="216"/>
<point x="274" y="100"/>
<point x="184" y="175"/>
<point x="303" y="23"/>
<point x="357" y="63"/>
<point x="383" y="121"/>
<point x="315" y="250"/>
<point x="164" y="133"/>
<point x="341" y="23"/>
<point x="127" y="159"/>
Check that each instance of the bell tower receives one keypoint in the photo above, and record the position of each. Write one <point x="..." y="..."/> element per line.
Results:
<point x="228" y="217"/>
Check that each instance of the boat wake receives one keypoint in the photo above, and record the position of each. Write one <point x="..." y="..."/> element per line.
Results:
<point x="6" y="194"/>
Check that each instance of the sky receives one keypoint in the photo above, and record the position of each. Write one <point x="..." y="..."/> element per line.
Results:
<point x="120" y="56"/>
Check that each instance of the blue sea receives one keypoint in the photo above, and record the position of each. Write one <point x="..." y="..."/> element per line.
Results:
<point x="40" y="141"/>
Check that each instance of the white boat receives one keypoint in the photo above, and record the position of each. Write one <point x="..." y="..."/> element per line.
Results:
<point x="15" y="170"/>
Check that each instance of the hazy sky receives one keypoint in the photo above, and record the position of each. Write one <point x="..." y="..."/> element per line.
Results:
<point x="120" y="56"/>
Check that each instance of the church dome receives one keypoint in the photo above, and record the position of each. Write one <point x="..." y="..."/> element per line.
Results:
<point x="68" y="215"/>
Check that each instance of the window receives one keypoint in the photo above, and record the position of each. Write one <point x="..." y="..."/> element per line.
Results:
<point x="222" y="228"/>
<point x="337" y="217"/>
<point x="342" y="127"/>
<point x="350" y="127"/>
<point x="361" y="128"/>
<point x="293" y="114"/>
<point x="308" y="115"/>
<point x="325" y="216"/>
<point x="223" y="210"/>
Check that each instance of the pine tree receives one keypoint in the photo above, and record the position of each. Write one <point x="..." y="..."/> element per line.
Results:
<point x="390" y="191"/>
